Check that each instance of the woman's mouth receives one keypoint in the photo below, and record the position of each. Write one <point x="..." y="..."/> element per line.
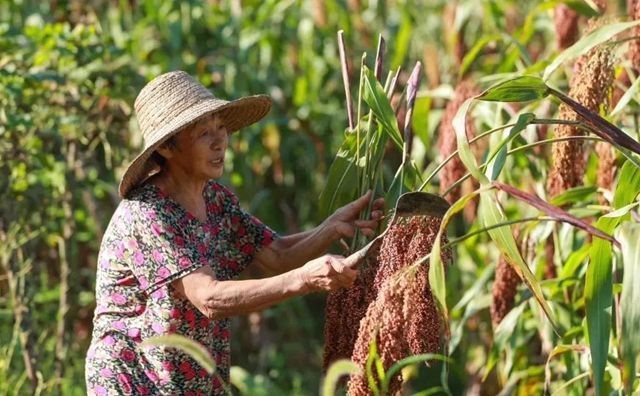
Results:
<point x="218" y="162"/>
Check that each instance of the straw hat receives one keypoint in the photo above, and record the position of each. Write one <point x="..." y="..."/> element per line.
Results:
<point x="173" y="101"/>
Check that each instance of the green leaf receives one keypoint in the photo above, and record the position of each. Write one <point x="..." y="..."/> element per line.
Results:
<point x="436" y="267"/>
<point x="186" y="345"/>
<point x="473" y="53"/>
<point x="500" y="152"/>
<point x="582" y="8"/>
<point x="588" y="42"/>
<point x="518" y="89"/>
<point x="239" y="378"/>
<point x="504" y="331"/>
<point x="598" y="291"/>
<point x="425" y="357"/>
<point x="464" y="150"/>
<point x="573" y="262"/>
<point x="341" y="180"/>
<point x="628" y="185"/>
<point x="626" y="98"/>
<point x="376" y="98"/>
<point x="559" y="350"/>
<point x="630" y="338"/>
<point x="574" y="195"/>
<point x="338" y="369"/>
<point x="490" y="214"/>
<point x="373" y="359"/>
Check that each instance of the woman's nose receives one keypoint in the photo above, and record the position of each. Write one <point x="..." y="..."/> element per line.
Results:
<point x="219" y="142"/>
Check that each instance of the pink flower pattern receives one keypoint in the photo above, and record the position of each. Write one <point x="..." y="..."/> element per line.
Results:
<point x="150" y="242"/>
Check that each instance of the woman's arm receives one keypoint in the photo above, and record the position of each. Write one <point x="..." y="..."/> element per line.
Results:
<point x="292" y="251"/>
<point x="221" y="299"/>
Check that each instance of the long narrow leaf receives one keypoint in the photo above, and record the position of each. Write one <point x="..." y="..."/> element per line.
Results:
<point x="601" y="127"/>
<point x="553" y="211"/>
<point x="598" y="295"/>
<point x="559" y="350"/>
<point x="598" y="287"/>
<point x="341" y="179"/>
<point x="464" y="150"/>
<point x="503" y="333"/>
<point x="626" y="98"/>
<point x="589" y="41"/>
<point x="630" y="337"/>
<point x="376" y="98"/>
<point x="518" y="89"/>
<point x="490" y="214"/>
<point x="436" y="267"/>
<point x="425" y="357"/>
<point x="336" y="370"/>
<point x="498" y="156"/>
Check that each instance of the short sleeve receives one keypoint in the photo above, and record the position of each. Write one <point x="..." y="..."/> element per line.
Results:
<point x="247" y="233"/>
<point x="162" y="252"/>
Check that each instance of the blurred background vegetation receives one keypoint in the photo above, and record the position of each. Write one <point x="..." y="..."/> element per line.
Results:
<point x="69" y="73"/>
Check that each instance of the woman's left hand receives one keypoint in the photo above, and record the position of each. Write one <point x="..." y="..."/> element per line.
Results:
<point x="345" y="220"/>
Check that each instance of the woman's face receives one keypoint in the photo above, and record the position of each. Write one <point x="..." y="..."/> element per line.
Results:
<point x="200" y="151"/>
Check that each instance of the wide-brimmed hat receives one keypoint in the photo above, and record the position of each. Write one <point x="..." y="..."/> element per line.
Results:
<point x="171" y="102"/>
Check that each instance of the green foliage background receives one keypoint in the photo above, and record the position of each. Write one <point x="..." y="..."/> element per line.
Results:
<point x="69" y="73"/>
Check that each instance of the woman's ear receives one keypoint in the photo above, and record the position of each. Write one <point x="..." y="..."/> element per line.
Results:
<point x="165" y="151"/>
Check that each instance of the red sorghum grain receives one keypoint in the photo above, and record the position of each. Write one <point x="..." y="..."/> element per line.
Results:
<point x="565" y="22"/>
<point x="403" y="318"/>
<point x="505" y="288"/>
<point x="589" y="86"/>
<point x="344" y="310"/>
<point x="606" y="168"/>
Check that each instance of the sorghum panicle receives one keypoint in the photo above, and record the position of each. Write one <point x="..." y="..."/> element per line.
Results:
<point x="589" y="86"/>
<point x="606" y="168"/>
<point x="424" y="330"/>
<point x="633" y="54"/>
<point x="565" y="22"/>
<point x="344" y="310"/>
<point x="505" y="288"/>
<point x="634" y="45"/>
<point x="384" y="323"/>
<point x="404" y="317"/>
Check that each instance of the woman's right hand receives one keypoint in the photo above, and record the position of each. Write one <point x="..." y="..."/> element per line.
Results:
<point x="327" y="272"/>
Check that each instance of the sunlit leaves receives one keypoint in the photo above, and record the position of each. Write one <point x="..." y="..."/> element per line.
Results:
<point x="629" y="235"/>
<point x="596" y="37"/>
<point x="519" y="89"/>
<point x="377" y="100"/>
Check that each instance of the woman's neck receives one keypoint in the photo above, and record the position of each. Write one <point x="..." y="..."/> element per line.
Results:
<point x="183" y="189"/>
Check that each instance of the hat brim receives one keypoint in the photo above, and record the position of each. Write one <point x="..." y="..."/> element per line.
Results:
<point x="237" y="114"/>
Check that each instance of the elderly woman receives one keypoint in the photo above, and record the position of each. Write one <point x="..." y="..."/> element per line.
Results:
<point x="178" y="240"/>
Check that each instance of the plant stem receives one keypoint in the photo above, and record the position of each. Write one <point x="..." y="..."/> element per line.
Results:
<point x="345" y="76"/>
<point x="538" y="143"/>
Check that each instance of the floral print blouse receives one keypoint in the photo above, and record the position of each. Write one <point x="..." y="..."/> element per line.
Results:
<point x="150" y="242"/>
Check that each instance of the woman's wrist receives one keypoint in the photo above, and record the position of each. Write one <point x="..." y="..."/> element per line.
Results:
<point x="298" y="282"/>
<point x="330" y="229"/>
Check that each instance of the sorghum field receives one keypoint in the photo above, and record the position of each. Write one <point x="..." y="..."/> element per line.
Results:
<point x="524" y="116"/>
